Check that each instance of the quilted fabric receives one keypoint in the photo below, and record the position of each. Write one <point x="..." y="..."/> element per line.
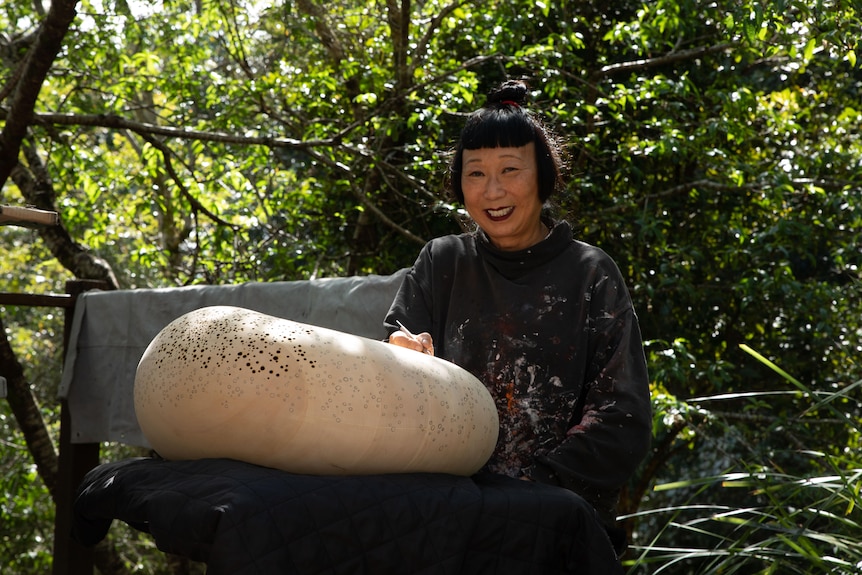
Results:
<point x="241" y="519"/>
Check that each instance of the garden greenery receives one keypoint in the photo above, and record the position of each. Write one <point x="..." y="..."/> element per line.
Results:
<point x="714" y="152"/>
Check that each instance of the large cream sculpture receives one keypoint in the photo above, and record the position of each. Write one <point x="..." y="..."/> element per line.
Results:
<point x="230" y="382"/>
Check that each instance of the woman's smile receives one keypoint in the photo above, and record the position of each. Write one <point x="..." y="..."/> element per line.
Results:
<point x="499" y="214"/>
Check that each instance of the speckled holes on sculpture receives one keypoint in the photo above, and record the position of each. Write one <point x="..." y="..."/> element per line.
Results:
<point x="230" y="382"/>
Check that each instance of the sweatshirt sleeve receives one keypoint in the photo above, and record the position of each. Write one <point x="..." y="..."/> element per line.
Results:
<point x="612" y="433"/>
<point x="413" y="303"/>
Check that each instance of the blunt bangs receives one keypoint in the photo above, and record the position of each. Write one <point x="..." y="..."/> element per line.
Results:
<point x="497" y="128"/>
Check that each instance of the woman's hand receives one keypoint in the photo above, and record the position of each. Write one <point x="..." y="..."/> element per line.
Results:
<point x="421" y="342"/>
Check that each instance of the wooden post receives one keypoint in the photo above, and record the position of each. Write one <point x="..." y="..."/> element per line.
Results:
<point x="70" y="557"/>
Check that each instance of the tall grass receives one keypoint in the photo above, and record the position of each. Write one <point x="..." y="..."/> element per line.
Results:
<point x="779" y="508"/>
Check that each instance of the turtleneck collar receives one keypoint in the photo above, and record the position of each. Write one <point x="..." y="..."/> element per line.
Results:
<point x="514" y="264"/>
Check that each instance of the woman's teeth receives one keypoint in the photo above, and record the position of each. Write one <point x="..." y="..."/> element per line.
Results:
<point x="500" y="213"/>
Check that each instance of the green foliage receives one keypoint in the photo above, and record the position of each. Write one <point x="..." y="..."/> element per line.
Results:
<point x="784" y="502"/>
<point x="713" y="148"/>
<point x="26" y="508"/>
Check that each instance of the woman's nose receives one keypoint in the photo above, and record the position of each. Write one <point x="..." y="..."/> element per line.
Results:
<point x="494" y="188"/>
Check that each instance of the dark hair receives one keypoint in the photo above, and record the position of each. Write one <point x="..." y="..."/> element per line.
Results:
<point x="504" y="122"/>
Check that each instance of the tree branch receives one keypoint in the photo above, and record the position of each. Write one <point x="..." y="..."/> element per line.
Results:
<point x="111" y="121"/>
<point x="324" y="30"/>
<point x="148" y="130"/>
<point x="668" y="58"/>
<point x="398" y="17"/>
<point x="37" y="189"/>
<point x="23" y="45"/>
<point x="195" y="203"/>
<point x="38" y="62"/>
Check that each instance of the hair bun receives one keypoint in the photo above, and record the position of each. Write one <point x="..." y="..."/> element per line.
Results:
<point x="510" y="91"/>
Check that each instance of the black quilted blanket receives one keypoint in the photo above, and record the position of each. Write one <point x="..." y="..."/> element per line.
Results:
<point x="241" y="519"/>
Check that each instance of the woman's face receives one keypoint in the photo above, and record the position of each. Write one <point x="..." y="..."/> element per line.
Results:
<point x="501" y="194"/>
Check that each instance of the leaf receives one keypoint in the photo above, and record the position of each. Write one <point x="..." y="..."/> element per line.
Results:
<point x="808" y="53"/>
<point x="772" y="366"/>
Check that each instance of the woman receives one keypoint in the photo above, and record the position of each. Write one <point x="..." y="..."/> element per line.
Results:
<point x="543" y="320"/>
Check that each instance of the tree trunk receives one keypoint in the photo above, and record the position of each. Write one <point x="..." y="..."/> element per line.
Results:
<point x="26" y="410"/>
<point x="36" y="187"/>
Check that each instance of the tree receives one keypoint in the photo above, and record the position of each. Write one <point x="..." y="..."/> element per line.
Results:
<point x="714" y="153"/>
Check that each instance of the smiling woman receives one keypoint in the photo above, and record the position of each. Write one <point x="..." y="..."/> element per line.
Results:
<point x="501" y="194"/>
<point x="545" y="322"/>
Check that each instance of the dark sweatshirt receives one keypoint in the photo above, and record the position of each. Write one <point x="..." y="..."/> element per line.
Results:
<point x="551" y="332"/>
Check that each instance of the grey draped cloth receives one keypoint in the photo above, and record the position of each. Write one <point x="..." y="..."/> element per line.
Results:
<point x="111" y="329"/>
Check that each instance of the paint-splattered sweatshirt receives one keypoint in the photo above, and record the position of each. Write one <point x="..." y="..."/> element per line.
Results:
<point x="551" y="332"/>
